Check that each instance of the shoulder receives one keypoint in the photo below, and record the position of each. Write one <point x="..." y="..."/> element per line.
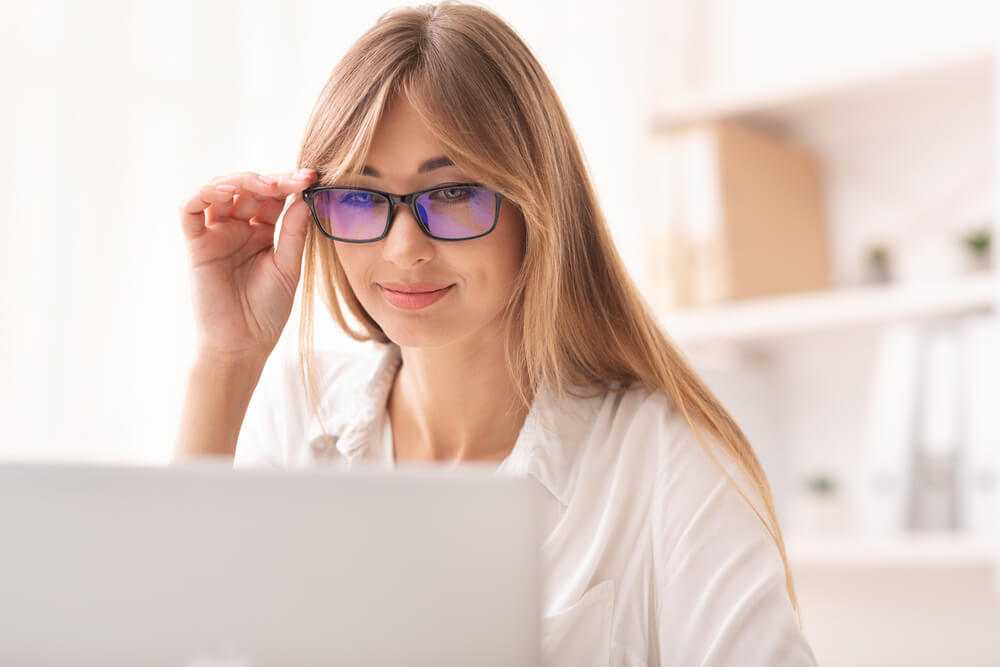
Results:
<point x="642" y="419"/>
<point x="673" y="439"/>
<point x="642" y="437"/>
<point x="692" y="463"/>
<point x="616" y="439"/>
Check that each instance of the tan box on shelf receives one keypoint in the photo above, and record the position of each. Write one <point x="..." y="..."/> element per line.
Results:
<point x="741" y="215"/>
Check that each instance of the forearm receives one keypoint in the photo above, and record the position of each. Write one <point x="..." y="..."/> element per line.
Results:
<point x="215" y="404"/>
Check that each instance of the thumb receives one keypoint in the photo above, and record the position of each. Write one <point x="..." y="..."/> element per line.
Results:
<point x="292" y="239"/>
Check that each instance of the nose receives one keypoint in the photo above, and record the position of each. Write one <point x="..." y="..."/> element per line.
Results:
<point x="406" y="244"/>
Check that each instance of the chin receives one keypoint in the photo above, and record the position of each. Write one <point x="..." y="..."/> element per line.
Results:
<point x="413" y="330"/>
<point x="411" y="337"/>
<point x="435" y="326"/>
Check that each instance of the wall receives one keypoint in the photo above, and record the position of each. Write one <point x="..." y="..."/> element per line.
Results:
<point x="118" y="111"/>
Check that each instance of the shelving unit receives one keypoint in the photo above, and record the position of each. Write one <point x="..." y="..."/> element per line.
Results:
<point x="901" y="105"/>
<point x="798" y="314"/>
<point x="778" y="100"/>
<point x="932" y="550"/>
<point x="843" y="116"/>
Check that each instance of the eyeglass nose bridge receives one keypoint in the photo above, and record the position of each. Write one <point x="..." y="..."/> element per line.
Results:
<point x="411" y="201"/>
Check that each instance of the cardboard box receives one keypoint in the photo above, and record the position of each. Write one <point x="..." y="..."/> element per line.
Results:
<point x="740" y="214"/>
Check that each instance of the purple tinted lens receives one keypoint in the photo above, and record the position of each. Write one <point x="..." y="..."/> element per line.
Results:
<point x="458" y="212"/>
<point x="352" y="215"/>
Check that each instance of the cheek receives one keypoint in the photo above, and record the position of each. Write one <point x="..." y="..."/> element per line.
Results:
<point x="355" y="260"/>
<point x="492" y="270"/>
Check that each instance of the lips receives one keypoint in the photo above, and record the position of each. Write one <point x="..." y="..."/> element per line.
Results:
<point x="414" y="288"/>
<point x="413" y="296"/>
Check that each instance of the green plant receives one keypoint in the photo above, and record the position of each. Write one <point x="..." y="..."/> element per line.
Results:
<point x="878" y="257"/>
<point x="979" y="241"/>
<point x="822" y="485"/>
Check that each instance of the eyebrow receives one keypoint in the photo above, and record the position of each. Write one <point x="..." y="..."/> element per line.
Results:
<point x="429" y="165"/>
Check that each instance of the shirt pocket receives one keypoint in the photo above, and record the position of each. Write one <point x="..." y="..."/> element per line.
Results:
<point x="580" y="635"/>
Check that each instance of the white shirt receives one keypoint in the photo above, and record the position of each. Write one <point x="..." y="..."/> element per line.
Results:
<point x="651" y="556"/>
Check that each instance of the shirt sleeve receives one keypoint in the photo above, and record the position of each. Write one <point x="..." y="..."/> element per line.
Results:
<point x="261" y="439"/>
<point x="720" y="594"/>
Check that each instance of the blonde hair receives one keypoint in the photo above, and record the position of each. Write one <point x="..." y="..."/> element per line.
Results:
<point x="574" y="317"/>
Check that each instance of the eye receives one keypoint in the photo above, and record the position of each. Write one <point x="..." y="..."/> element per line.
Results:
<point x="356" y="197"/>
<point x="453" y="194"/>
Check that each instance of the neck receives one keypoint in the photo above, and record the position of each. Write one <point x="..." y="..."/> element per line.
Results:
<point x="455" y="403"/>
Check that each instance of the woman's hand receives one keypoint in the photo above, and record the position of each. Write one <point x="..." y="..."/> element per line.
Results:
<point x="242" y="286"/>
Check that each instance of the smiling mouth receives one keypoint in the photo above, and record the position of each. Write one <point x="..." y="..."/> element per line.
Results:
<point x="413" y="288"/>
<point x="414" y="300"/>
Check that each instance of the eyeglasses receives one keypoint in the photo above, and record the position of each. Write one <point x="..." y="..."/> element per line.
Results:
<point x="455" y="212"/>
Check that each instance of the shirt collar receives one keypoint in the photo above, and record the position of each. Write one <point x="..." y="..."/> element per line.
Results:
<point x="545" y="448"/>
<point x="359" y="431"/>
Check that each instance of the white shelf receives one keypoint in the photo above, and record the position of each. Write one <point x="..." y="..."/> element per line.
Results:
<point x="780" y="97"/>
<point x="932" y="550"/>
<point x="797" y="314"/>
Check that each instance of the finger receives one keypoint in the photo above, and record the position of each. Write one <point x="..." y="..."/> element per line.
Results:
<point x="287" y="183"/>
<point x="247" y="206"/>
<point x="223" y="206"/>
<point x="270" y="208"/>
<point x="300" y="179"/>
<point x="251" y="191"/>
<point x="256" y="189"/>
<point x="193" y="211"/>
<point x="290" y="182"/>
<point x="248" y="181"/>
<point x="292" y="240"/>
<point x="270" y="211"/>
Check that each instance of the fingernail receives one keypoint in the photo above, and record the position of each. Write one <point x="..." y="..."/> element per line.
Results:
<point x="267" y="179"/>
<point x="226" y="188"/>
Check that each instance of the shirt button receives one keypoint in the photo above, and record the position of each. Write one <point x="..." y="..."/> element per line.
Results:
<point x="322" y="445"/>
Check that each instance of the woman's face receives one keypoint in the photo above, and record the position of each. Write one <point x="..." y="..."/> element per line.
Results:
<point x="478" y="273"/>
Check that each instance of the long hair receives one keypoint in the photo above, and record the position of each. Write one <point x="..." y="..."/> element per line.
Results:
<point x="574" y="318"/>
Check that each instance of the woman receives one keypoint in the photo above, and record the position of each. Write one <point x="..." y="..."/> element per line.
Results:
<point x="504" y="328"/>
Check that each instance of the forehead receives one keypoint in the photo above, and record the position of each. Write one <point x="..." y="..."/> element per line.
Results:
<point x="425" y="167"/>
<point x="402" y="143"/>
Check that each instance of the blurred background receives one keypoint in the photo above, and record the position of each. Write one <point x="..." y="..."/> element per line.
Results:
<point x="806" y="193"/>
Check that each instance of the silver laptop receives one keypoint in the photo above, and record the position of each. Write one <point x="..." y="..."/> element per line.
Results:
<point x="200" y="565"/>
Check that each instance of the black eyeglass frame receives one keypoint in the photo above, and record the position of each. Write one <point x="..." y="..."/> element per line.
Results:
<point x="411" y="199"/>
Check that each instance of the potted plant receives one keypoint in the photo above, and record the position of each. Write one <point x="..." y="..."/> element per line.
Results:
<point x="819" y="508"/>
<point x="878" y="264"/>
<point x="979" y="245"/>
